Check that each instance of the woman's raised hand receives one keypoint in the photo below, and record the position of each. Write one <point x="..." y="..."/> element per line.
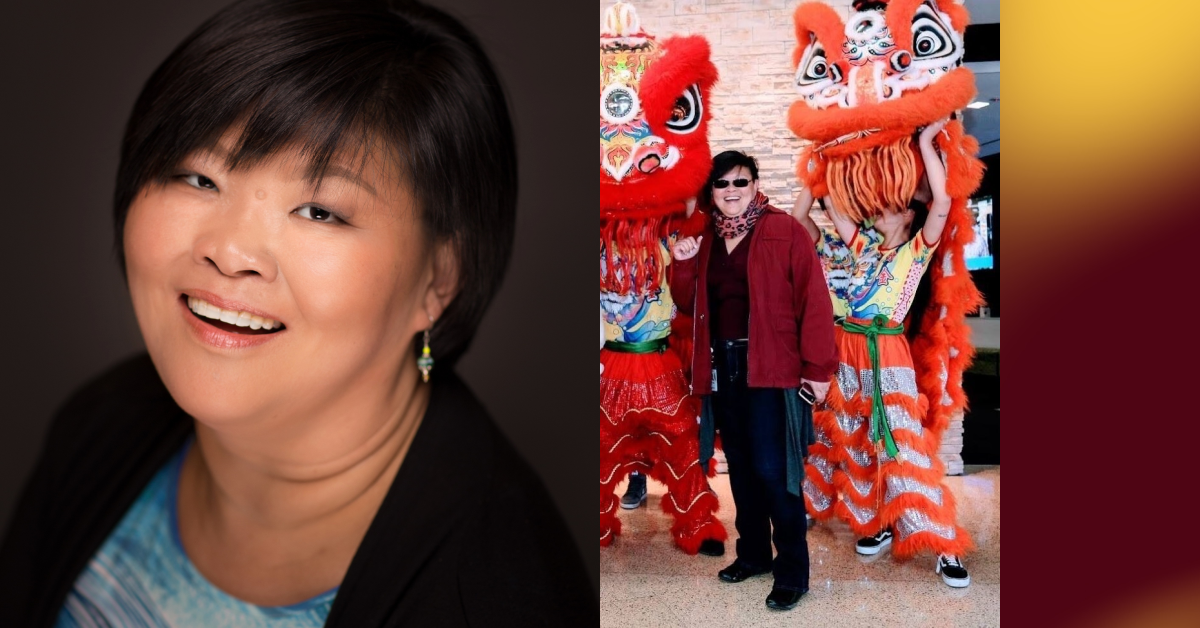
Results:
<point x="931" y="131"/>
<point x="686" y="249"/>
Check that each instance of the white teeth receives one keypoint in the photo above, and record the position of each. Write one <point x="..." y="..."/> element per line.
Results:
<point x="241" y="319"/>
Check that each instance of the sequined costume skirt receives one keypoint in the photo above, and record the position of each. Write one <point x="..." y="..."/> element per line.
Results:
<point x="635" y="382"/>
<point x="848" y="477"/>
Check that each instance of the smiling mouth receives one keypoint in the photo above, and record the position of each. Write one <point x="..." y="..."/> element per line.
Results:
<point x="231" y="321"/>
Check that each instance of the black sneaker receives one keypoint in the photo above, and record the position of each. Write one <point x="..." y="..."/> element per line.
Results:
<point x="635" y="495"/>
<point x="872" y="545"/>
<point x="953" y="572"/>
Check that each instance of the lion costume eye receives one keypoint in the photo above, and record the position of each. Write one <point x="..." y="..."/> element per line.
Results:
<point x="687" y="111"/>
<point x="619" y="104"/>
<point x="931" y="39"/>
<point x="815" y="68"/>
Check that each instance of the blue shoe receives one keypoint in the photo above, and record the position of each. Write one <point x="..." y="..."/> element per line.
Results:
<point x="635" y="495"/>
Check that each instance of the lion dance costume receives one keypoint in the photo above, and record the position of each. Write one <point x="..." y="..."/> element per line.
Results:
<point x="654" y="156"/>
<point x="867" y="85"/>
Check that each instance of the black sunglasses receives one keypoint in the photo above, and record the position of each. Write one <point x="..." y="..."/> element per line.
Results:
<point x="721" y="184"/>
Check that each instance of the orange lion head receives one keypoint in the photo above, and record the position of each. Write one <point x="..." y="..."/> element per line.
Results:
<point x="866" y="85"/>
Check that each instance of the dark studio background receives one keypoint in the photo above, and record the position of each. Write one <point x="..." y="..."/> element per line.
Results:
<point x="72" y="70"/>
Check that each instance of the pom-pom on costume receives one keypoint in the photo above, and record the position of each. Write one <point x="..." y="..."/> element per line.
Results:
<point x="867" y="85"/>
<point x="654" y="156"/>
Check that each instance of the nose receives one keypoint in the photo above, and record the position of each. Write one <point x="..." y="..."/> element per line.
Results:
<point x="236" y="242"/>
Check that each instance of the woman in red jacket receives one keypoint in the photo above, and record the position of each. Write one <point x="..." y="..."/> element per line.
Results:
<point x="764" y="331"/>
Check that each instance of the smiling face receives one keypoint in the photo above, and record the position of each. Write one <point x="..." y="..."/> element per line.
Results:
<point x="340" y="272"/>
<point x="732" y="201"/>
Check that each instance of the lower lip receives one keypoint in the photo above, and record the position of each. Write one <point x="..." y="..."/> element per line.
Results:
<point x="220" y="338"/>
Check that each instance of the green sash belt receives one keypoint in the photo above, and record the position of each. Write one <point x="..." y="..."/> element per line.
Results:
<point x="650" y="346"/>
<point x="880" y="429"/>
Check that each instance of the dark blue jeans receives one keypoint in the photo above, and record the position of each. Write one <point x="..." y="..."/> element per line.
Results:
<point x="752" y="423"/>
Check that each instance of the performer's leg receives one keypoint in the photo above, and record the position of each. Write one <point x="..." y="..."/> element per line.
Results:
<point x="856" y="479"/>
<point x="611" y="469"/>
<point x="677" y="465"/>
<point x="857" y="473"/>
<point x="819" y="493"/>
<point x="916" y="503"/>
<point x="753" y="517"/>
<point x="765" y="421"/>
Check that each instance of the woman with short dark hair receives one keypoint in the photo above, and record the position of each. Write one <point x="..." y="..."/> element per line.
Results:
<point x="315" y="204"/>
<point x="763" y="337"/>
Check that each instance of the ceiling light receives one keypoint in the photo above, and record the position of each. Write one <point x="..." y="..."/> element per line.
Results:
<point x="978" y="105"/>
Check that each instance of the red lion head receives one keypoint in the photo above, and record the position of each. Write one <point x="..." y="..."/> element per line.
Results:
<point x="654" y="151"/>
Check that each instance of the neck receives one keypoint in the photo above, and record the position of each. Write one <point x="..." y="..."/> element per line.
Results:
<point x="894" y="237"/>
<point x="305" y="484"/>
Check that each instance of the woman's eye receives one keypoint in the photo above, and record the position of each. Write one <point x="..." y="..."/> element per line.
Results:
<point x="199" y="181"/>
<point x="317" y="214"/>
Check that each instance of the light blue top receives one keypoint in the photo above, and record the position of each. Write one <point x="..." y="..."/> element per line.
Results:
<point x="141" y="577"/>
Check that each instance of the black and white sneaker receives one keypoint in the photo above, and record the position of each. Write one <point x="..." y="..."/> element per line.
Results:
<point x="953" y="573"/>
<point x="635" y="495"/>
<point x="872" y="545"/>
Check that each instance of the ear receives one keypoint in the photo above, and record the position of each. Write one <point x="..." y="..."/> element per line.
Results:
<point x="443" y="276"/>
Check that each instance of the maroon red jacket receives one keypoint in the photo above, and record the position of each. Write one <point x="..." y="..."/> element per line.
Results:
<point x="791" y="317"/>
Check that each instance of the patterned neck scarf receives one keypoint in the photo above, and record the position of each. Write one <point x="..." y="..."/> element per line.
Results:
<point x="729" y="228"/>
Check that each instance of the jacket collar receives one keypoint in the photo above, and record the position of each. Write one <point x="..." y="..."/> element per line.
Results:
<point x="441" y="478"/>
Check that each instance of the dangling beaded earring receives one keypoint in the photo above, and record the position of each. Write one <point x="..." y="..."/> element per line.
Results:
<point x="425" y="362"/>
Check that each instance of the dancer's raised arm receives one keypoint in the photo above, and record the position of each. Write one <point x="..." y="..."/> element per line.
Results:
<point x="935" y="172"/>
<point x="847" y="229"/>
<point x="800" y="212"/>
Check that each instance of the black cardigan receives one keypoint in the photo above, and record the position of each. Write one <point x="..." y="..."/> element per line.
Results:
<point x="466" y="536"/>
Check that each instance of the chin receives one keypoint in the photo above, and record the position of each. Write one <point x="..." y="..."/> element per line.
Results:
<point x="731" y="212"/>
<point x="215" y="393"/>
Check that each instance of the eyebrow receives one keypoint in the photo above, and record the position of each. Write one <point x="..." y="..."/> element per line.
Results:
<point x="331" y="170"/>
<point x="334" y="170"/>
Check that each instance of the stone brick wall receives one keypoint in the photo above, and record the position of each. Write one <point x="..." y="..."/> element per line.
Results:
<point x="752" y="44"/>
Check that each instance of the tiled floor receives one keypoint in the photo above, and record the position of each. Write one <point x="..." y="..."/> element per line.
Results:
<point x="646" y="582"/>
